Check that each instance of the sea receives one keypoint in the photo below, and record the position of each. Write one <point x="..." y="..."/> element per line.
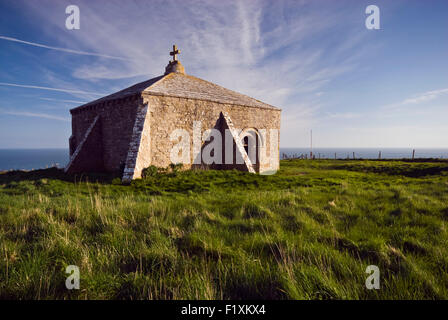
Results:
<point x="29" y="159"/>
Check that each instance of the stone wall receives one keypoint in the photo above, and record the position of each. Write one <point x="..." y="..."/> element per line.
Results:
<point x="117" y="122"/>
<point x="139" y="141"/>
<point x="88" y="157"/>
<point x="169" y="113"/>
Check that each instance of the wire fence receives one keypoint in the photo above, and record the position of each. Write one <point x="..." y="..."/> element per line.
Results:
<point x="353" y="155"/>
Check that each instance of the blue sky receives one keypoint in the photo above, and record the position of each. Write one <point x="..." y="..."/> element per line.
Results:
<point x="314" y="59"/>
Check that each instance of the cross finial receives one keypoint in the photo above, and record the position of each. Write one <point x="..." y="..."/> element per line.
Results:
<point x="174" y="53"/>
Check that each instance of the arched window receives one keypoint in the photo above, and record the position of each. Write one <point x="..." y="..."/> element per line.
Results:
<point x="246" y="144"/>
<point x="252" y="141"/>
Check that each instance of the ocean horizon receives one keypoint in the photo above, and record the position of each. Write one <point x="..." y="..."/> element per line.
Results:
<point x="29" y="159"/>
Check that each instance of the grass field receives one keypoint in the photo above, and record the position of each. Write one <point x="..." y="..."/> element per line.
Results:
<point x="308" y="232"/>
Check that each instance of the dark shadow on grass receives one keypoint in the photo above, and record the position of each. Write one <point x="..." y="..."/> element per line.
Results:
<point x="55" y="174"/>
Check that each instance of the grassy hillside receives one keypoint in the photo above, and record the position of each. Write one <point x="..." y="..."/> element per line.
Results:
<point x="308" y="232"/>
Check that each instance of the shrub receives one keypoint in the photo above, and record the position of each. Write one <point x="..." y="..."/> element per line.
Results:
<point x="162" y="170"/>
<point x="176" y="167"/>
<point x="116" y="181"/>
<point x="150" y="171"/>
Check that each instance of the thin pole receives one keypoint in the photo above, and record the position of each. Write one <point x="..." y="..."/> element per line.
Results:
<point x="311" y="150"/>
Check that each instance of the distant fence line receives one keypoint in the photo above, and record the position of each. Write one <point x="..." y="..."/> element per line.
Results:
<point x="348" y="155"/>
<point x="312" y="156"/>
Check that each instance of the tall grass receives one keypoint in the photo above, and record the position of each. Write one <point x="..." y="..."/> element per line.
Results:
<point x="308" y="232"/>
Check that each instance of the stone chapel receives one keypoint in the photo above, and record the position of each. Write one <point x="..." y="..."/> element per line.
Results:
<point x="144" y="124"/>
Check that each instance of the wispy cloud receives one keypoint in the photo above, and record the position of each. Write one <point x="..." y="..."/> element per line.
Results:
<point x="231" y="43"/>
<point x="343" y="115"/>
<point x="415" y="100"/>
<point x="264" y="49"/>
<point x="50" y="89"/>
<point x="34" y="114"/>
<point x="35" y="44"/>
<point x="62" y="100"/>
<point x="430" y="95"/>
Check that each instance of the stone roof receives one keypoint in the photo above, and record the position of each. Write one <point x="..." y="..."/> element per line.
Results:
<point x="135" y="89"/>
<point x="185" y="86"/>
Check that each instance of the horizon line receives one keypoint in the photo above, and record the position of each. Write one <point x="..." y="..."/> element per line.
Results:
<point x="376" y="148"/>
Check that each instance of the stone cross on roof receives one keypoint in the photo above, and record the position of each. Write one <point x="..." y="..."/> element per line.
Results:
<point x="174" y="53"/>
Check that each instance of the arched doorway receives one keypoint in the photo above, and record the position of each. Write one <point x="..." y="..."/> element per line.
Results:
<point x="252" y="142"/>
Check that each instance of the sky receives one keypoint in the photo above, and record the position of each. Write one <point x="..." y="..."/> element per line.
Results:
<point x="315" y="59"/>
